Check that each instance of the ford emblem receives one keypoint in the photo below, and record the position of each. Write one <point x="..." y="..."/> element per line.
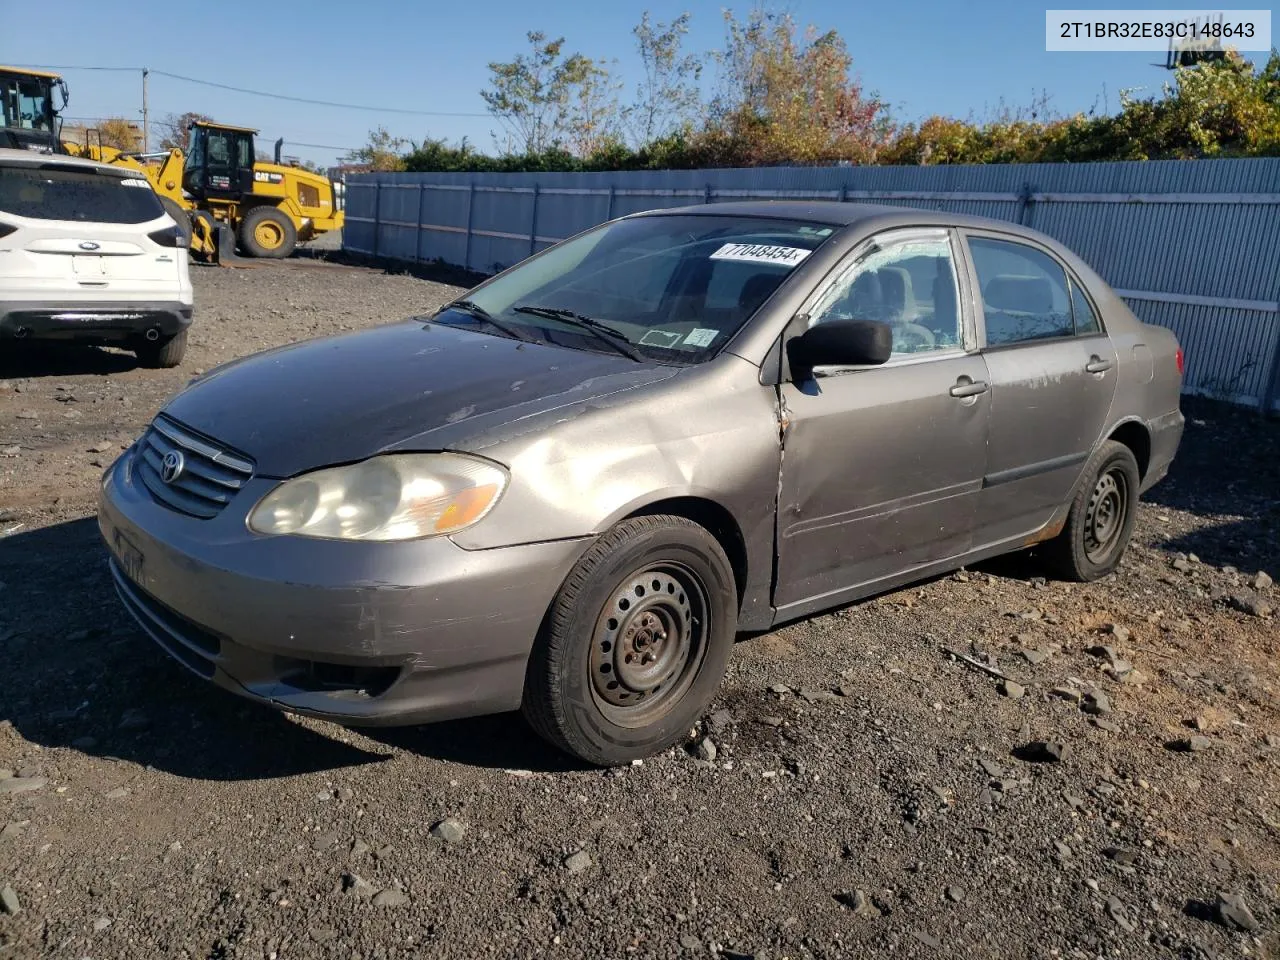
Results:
<point x="88" y="245"/>
<point x="172" y="466"/>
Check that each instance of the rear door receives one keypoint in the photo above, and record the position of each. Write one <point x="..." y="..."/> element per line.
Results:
<point x="1053" y="376"/>
<point x="80" y="231"/>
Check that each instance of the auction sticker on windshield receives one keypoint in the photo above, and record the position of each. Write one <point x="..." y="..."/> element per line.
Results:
<point x="761" y="253"/>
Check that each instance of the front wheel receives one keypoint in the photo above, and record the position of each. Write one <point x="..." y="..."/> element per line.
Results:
<point x="635" y="644"/>
<point x="1101" y="519"/>
<point x="268" y="232"/>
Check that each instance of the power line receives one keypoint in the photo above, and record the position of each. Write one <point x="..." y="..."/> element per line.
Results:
<point x="272" y="96"/>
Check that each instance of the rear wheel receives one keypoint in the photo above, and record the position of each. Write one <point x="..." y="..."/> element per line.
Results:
<point x="267" y="232"/>
<point x="636" y="642"/>
<point x="165" y="352"/>
<point x="1101" y="518"/>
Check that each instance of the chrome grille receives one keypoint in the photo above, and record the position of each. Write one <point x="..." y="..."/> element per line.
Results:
<point x="210" y="475"/>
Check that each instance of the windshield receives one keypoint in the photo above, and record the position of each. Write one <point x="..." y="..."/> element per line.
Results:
<point x="53" y="192"/>
<point x="673" y="288"/>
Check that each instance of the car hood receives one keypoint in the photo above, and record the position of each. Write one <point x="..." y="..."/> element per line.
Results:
<point x="408" y="386"/>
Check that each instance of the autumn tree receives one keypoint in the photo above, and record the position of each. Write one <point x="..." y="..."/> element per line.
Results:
<point x="382" y="152"/>
<point x="124" y="135"/>
<point x="791" y="96"/>
<point x="667" y="96"/>
<point x="173" y="129"/>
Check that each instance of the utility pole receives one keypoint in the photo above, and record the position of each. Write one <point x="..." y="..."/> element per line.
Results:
<point x="146" y="125"/>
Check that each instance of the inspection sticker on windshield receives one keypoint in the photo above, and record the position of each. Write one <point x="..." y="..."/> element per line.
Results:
<point x="761" y="253"/>
<point x="701" y="337"/>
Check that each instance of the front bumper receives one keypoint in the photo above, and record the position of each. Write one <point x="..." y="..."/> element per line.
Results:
<point x="91" y="320"/>
<point x="359" y="633"/>
<point x="1166" y="435"/>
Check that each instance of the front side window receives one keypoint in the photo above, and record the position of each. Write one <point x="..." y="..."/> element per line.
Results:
<point x="907" y="281"/>
<point x="673" y="288"/>
<point x="1024" y="292"/>
<point x="52" y="192"/>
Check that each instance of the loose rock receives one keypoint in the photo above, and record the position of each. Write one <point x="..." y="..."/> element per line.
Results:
<point x="391" y="897"/>
<point x="1235" y="914"/>
<point x="1095" y="701"/>
<point x="1011" y="689"/>
<point x="450" y="830"/>
<point x="1042" y="751"/>
<point x="577" y="862"/>
<point x="705" y="749"/>
<point x="357" y="886"/>
<point x="9" y="901"/>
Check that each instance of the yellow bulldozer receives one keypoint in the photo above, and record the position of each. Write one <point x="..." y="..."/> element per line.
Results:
<point x="217" y="190"/>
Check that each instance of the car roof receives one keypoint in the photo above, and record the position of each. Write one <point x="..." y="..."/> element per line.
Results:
<point x="842" y="213"/>
<point x="39" y="158"/>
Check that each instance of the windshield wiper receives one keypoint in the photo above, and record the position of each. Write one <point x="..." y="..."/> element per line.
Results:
<point x="473" y="309"/>
<point x="597" y="328"/>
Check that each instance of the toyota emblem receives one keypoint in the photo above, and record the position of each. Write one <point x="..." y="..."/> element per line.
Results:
<point x="172" y="466"/>
<point x="89" y="245"/>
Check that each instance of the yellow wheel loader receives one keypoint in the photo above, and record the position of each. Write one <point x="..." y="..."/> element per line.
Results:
<point x="216" y="189"/>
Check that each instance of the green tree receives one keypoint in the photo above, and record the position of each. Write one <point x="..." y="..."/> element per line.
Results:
<point x="538" y="97"/>
<point x="667" y="97"/>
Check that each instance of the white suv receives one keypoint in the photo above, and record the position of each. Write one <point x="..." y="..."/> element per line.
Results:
<point x="87" y="253"/>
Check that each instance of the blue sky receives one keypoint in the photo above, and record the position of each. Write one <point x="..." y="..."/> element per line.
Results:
<point x="922" y="56"/>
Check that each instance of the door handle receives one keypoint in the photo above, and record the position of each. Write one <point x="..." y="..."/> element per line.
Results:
<point x="968" y="388"/>
<point x="1097" y="365"/>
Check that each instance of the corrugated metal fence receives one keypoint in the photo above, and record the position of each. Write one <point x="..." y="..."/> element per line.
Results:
<point x="1191" y="245"/>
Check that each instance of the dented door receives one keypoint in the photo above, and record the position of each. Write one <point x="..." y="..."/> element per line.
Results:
<point x="881" y="471"/>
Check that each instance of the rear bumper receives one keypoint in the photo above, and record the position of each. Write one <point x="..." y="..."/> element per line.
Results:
<point x="100" y="321"/>
<point x="1166" y="435"/>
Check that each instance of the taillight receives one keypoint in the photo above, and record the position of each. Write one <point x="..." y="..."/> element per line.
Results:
<point x="169" y="237"/>
<point x="1178" y="359"/>
<point x="6" y="229"/>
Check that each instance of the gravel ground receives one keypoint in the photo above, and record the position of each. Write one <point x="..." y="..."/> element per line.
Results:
<point x="855" y="791"/>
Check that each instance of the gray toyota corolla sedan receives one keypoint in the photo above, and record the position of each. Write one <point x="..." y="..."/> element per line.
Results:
<point x="567" y="491"/>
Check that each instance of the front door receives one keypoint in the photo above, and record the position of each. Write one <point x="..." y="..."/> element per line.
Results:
<point x="1053" y="376"/>
<point x="882" y="466"/>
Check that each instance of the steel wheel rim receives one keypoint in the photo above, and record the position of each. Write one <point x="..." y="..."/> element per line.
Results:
<point x="1108" y="511"/>
<point x="649" y="643"/>
<point x="268" y="234"/>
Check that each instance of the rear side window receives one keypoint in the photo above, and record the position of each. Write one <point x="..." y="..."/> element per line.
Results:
<point x="1024" y="292"/>
<point x="62" y="193"/>
<point x="1086" y="319"/>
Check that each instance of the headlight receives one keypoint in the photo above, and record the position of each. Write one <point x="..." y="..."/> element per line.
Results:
<point x="394" y="497"/>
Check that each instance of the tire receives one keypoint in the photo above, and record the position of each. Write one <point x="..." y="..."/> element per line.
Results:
<point x="162" y="353"/>
<point x="635" y="644"/>
<point x="267" y="232"/>
<point x="1101" y="518"/>
<point x="179" y="215"/>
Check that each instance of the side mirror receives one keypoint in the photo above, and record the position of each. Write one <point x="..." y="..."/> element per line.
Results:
<point x="844" y="343"/>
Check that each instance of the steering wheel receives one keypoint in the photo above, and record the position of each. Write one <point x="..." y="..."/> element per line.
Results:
<point x="913" y="336"/>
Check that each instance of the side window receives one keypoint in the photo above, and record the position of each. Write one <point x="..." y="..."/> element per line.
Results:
<point x="1024" y="292"/>
<point x="908" y="283"/>
<point x="1086" y="319"/>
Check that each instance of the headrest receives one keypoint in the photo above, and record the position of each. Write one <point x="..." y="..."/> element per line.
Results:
<point x="757" y="290"/>
<point x="1019" y="294"/>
